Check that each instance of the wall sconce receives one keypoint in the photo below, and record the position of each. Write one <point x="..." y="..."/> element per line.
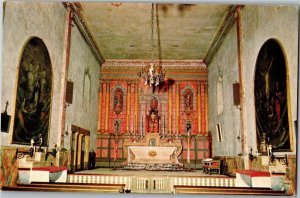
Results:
<point x="239" y="138"/>
<point x="66" y="132"/>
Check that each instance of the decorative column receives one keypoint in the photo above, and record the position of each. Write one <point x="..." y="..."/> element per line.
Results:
<point x="170" y="108"/>
<point x="206" y="106"/>
<point x="86" y="151"/>
<point x="100" y="105"/>
<point x="76" y="140"/>
<point x="136" y="105"/>
<point x="64" y="77"/>
<point x="240" y="70"/>
<point x="107" y="104"/>
<point x="199" y="106"/>
<point x="80" y="138"/>
<point x="203" y="109"/>
<point x="128" y="106"/>
<point x="177" y="108"/>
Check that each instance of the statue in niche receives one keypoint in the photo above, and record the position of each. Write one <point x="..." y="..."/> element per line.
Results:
<point x="188" y="101"/>
<point x="118" y="101"/>
<point x="153" y="103"/>
<point x="153" y="117"/>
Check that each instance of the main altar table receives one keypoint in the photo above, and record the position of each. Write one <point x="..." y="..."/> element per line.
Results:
<point x="152" y="154"/>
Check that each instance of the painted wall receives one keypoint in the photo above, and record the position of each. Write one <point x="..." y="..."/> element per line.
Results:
<point x="224" y="69"/>
<point x="259" y="23"/>
<point x="22" y="21"/>
<point x="84" y="73"/>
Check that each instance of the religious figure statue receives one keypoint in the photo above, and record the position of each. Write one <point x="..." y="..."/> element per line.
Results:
<point x="153" y="117"/>
<point x="118" y="101"/>
<point x="153" y="103"/>
<point x="188" y="101"/>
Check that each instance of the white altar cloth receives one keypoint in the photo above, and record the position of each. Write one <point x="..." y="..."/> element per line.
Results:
<point x="152" y="154"/>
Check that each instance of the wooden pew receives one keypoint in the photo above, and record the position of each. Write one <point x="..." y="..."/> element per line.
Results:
<point x="67" y="187"/>
<point x="180" y="189"/>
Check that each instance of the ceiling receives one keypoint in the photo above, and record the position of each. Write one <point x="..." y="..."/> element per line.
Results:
<point x="123" y="31"/>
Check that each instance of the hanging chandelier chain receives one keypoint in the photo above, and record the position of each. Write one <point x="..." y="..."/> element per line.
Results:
<point x="152" y="31"/>
<point x="153" y="74"/>
<point x="158" y="33"/>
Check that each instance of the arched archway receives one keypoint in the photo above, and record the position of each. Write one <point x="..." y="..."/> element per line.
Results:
<point x="270" y="89"/>
<point x="33" y="98"/>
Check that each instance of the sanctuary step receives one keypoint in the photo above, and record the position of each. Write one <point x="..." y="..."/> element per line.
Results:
<point x="47" y="187"/>
<point x="182" y="189"/>
<point x="153" y="167"/>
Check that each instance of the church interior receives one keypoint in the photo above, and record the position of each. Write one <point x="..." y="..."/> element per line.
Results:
<point x="149" y="98"/>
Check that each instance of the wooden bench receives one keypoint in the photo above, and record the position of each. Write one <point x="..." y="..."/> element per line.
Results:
<point x="67" y="187"/>
<point x="181" y="189"/>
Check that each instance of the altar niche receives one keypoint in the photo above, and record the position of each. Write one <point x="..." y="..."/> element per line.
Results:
<point x="153" y="117"/>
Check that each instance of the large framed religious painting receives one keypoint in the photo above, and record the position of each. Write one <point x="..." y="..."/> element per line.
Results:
<point x="33" y="100"/>
<point x="271" y="105"/>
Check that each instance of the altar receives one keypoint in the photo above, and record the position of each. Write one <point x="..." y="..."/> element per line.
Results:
<point x="152" y="154"/>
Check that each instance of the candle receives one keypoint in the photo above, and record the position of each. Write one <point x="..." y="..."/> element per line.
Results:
<point x="142" y="125"/>
<point x="171" y="125"/>
<point x="177" y="125"/>
<point x="164" y="125"/>
<point x="134" y="126"/>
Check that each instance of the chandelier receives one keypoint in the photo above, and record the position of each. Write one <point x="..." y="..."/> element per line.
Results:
<point x="153" y="73"/>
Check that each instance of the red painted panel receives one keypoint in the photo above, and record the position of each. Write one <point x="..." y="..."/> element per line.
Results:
<point x="119" y="154"/>
<point x="192" y="155"/>
<point x="184" y="154"/>
<point x="98" y="142"/>
<point x="184" y="144"/>
<point x="104" y="153"/>
<point x="207" y="155"/>
<point x="104" y="142"/>
<point x="97" y="153"/>
<point x="200" y="144"/>
<point x="206" y="144"/>
<point x="200" y="155"/>
<point x="192" y="144"/>
<point x="120" y="145"/>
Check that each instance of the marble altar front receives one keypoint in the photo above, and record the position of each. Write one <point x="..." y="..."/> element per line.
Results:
<point x="152" y="154"/>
